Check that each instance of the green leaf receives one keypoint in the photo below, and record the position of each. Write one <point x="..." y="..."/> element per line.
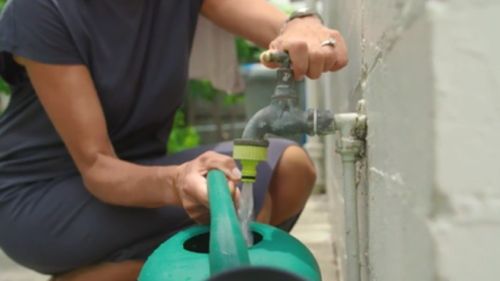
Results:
<point x="202" y="89"/>
<point x="182" y="136"/>
<point x="247" y="51"/>
<point x="4" y="87"/>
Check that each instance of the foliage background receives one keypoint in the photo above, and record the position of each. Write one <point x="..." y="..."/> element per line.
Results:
<point x="4" y="88"/>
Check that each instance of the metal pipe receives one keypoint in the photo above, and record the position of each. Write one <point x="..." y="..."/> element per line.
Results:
<point x="352" y="128"/>
<point x="288" y="120"/>
<point x="351" y="219"/>
<point x="258" y="125"/>
<point x="283" y="117"/>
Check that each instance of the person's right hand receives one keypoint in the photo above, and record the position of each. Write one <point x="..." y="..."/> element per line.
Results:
<point x="191" y="183"/>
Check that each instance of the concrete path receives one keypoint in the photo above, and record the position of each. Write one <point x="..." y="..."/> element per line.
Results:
<point x="313" y="229"/>
<point x="9" y="271"/>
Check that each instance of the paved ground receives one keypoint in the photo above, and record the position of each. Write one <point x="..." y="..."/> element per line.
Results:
<point x="313" y="229"/>
<point x="9" y="271"/>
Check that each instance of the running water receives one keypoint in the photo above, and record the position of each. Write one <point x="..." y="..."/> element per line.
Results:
<point x="246" y="211"/>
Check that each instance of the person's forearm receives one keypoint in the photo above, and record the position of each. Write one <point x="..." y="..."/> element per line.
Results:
<point x="256" y="20"/>
<point x="122" y="183"/>
<point x="69" y="97"/>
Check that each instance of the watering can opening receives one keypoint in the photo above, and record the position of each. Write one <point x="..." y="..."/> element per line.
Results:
<point x="201" y="243"/>
<point x="219" y="250"/>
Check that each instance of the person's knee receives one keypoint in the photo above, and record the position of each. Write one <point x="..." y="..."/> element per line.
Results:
<point x="295" y="161"/>
<point x="294" y="178"/>
<point x="264" y="215"/>
<point x="292" y="183"/>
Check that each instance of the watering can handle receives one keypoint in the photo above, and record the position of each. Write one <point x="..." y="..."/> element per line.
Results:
<point x="228" y="248"/>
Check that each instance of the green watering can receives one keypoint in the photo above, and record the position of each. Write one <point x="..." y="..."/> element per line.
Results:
<point x="219" y="252"/>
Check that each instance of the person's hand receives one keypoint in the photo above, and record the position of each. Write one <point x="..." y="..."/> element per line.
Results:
<point x="191" y="183"/>
<point x="302" y="38"/>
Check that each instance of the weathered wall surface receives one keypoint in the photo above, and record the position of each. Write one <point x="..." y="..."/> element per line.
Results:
<point x="430" y="73"/>
<point x="400" y="166"/>
<point x="466" y="64"/>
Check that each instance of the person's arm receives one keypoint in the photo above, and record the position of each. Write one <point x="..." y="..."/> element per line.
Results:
<point x="260" y="22"/>
<point x="69" y="97"/>
<point x="256" y="20"/>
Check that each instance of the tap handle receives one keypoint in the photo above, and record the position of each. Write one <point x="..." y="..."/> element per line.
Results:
<point x="279" y="57"/>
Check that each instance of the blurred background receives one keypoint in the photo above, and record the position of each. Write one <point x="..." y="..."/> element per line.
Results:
<point x="428" y="187"/>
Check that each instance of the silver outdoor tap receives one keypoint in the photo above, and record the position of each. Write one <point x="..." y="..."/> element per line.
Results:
<point x="283" y="116"/>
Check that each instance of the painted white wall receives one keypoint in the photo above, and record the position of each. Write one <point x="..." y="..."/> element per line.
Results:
<point x="430" y="73"/>
<point x="466" y="63"/>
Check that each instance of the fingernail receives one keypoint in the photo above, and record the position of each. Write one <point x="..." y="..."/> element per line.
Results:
<point x="236" y="173"/>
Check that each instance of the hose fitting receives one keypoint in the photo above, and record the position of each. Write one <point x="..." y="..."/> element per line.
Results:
<point x="250" y="153"/>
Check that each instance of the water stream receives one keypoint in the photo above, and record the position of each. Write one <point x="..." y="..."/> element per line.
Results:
<point x="245" y="211"/>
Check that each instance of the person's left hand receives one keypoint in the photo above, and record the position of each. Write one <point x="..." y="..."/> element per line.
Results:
<point x="302" y="38"/>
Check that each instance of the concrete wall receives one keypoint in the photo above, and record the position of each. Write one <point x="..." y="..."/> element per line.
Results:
<point x="430" y="191"/>
<point x="466" y="64"/>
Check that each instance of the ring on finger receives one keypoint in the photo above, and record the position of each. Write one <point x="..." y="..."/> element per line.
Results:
<point x="329" y="42"/>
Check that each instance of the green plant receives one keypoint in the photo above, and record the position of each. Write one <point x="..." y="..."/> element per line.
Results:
<point x="182" y="136"/>
<point x="247" y="51"/>
<point x="4" y="87"/>
<point x="203" y="89"/>
<point x="283" y="6"/>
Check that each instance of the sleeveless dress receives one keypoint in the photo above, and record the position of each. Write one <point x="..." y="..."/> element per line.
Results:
<point x="137" y="53"/>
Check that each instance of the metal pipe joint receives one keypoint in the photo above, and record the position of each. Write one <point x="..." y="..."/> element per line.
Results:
<point x="352" y="128"/>
<point x="284" y="117"/>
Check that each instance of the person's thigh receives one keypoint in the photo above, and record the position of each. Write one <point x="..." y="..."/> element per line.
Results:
<point x="57" y="226"/>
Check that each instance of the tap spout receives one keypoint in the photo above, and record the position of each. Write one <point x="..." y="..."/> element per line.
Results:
<point x="276" y="119"/>
<point x="284" y="117"/>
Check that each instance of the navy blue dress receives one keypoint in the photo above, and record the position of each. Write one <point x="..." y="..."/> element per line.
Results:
<point x="137" y="52"/>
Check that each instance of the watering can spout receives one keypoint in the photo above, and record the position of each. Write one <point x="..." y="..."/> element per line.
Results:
<point x="228" y="248"/>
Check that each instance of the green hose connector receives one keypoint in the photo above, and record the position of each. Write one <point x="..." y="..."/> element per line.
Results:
<point x="250" y="153"/>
